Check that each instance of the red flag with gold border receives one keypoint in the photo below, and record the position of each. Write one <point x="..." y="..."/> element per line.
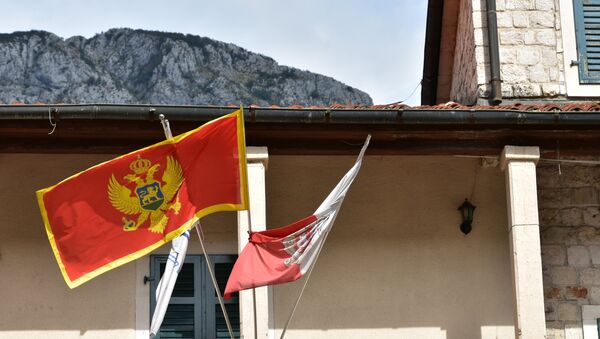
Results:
<point x="122" y="209"/>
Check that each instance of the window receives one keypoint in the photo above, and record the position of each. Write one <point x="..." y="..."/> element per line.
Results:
<point x="194" y="311"/>
<point x="587" y="31"/>
<point x="579" y="23"/>
<point x="590" y="315"/>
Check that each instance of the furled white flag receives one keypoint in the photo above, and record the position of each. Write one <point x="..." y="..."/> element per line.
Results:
<point x="167" y="282"/>
<point x="285" y="254"/>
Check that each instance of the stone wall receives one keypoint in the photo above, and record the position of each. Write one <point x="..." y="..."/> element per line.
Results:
<point x="447" y="50"/>
<point x="464" y="79"/>
<point x="570" y="232"/>
<point x="530" y="48"/>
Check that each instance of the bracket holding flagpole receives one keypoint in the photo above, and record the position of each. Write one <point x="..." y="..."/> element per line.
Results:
<point x="165" y="125"/>
<point x="52" y="123"/>
<point x="169" y="135"/>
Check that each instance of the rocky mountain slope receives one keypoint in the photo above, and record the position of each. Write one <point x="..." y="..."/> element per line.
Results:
<point x="136" y="66"/>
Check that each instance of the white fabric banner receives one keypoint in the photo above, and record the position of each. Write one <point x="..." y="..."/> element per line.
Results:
<point x="167" y="282"/>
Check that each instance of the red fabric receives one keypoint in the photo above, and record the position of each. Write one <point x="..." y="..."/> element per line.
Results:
<point x="88" y="230"/>
<point x="261" y="262"/>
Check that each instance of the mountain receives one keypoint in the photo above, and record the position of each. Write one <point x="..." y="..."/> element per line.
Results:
<point x="148" y="67"/>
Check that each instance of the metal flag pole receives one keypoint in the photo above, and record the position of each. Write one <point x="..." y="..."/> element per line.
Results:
<point x="287" y="323"/>
<point x="249" y="216"/>
<point x="331" y="199"/>
<point x="254" y="312"/>
<point x="169" y="135"/>
<point x="214" y="280"/>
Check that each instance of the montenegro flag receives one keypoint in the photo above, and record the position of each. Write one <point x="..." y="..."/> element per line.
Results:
<point x="122" y="209"/>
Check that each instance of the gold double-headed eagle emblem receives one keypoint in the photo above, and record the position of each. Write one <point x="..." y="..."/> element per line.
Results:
<point x="151" y="199"/>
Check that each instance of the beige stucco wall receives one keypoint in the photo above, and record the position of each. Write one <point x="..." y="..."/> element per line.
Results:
<point x="395" y="264"/>
<point x="34" y="300"/>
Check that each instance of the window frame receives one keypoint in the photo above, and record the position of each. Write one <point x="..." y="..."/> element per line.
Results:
<point x="574" y="87"/>
<point x="585" y="76"/>
<point x="204" y="298"/>
<point x="197" y="299"/>
<point x="589" y="318"/>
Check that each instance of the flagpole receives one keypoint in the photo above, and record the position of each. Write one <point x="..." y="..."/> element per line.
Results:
<point x="254" y="312"/>
<point x="214" y="280"/>
<point x="169" y="135"/>
<point x="287" y="323"/>
<point x="249" y="215"/>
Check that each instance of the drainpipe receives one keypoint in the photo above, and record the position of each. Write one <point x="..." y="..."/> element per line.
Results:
<point x="496" y="93"/>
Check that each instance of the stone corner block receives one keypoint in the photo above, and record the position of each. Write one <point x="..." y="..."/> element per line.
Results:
<point x="568" y="312"/>
<point x="590" y="277"/>
<point x="578" y="256"/>
<point x="564" y="275"/>
<point x="553" y="255"/>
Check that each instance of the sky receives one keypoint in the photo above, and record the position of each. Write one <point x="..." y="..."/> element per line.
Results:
<point x="375" y="46"/>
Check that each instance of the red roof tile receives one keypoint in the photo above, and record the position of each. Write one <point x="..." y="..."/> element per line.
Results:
<point x="584" y="106"/>
<point x="520" y="106"/>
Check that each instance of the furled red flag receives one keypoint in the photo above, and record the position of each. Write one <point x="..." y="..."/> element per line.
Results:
<point x="122" y="209"/>
<point x="285" y="254"/>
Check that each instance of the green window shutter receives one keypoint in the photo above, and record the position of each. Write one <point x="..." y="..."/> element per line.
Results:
<point x="194" y="311"/>
<point x="183" y="317"/>
<point x="233" y="310"/>
<point x="184" y="286"/>
<point x="587" y="32"/>
<point x="178" y="322"/>
<point x="223" y="267"/>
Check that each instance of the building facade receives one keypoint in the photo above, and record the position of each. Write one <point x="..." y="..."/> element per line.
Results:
<point x="547" y="61"/>
<point x="547" y="50"/>
<point x="396" y="263"/>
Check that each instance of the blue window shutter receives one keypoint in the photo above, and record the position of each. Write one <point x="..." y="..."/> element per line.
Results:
<point x="587" y="32"/>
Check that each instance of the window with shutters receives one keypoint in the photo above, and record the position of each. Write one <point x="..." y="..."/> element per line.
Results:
<point x="587" y="31"/>
<point x="194" y="311"/>
<point x="580" y="32"/>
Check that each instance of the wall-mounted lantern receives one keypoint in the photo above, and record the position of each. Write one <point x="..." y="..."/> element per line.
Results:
<point x="466" y="210"/>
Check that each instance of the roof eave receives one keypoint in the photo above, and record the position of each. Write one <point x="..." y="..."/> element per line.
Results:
<point x="118" y="129"/>
<point x="458" y="117"/>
